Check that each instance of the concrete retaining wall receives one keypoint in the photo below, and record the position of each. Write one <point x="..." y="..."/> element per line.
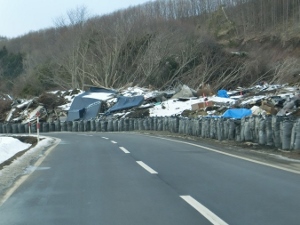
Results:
<point x="277" y="132"/>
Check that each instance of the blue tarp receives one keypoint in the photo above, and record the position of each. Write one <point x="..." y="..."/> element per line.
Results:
<point x="126" y="103"/>
<point x="86" y="108"/>
<point x="237" y="113"/>
<point x="222" y="94"/>
<point x="83" y="108"/>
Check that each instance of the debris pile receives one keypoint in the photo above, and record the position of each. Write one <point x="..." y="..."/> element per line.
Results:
<point x="137" y="102"/>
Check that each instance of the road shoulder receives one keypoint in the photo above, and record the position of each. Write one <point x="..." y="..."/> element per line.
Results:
<point x="289" y="160"/>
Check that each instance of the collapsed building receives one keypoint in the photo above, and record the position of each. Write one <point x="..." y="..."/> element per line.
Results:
<point x="267" y="115"/>
<point x="75" y="105"/>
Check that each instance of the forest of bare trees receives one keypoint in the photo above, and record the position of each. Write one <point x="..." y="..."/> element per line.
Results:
<point x="224" y="43"/>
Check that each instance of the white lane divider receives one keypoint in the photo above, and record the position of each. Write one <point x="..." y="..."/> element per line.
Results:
<point x="124" y="150"/>
<point x="146" y="167"/>
<point x="105" y="138"/>
<point x="114" y="142"/>
<point x="213" y="218"/>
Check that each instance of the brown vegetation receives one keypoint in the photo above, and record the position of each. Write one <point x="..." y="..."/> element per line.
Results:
<point x="5" y="106"/>
<point x="225" y="44"/>
<point x="51" y="101"/>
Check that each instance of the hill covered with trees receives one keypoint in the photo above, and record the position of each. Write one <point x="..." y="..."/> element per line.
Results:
<point x="224" y="43"/>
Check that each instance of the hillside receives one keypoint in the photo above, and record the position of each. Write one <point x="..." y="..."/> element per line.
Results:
<point x="159" y="44"/>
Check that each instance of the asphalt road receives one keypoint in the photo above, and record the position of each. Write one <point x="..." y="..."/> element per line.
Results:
<point x="119" y="178"/>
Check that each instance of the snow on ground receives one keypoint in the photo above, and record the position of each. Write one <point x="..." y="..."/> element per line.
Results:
<point x="10" y="146"/>
<point x="99" y="95"/>
<point x="102" y="96"/>
<point x="174" y="107"/>
<point x="21" y="165"/>
<point x="170" y="107"/>
<point x="158" y="106"/>
<point x="133" y="91"/>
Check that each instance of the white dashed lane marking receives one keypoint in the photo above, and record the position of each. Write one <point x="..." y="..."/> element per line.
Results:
<point x="146" y="167"/>
<point x="213" y="218"/>
<point x="124" y="150"/>
<point x="209" y="215"/>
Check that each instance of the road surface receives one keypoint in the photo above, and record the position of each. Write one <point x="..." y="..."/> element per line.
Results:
<point x="126" y="178"/>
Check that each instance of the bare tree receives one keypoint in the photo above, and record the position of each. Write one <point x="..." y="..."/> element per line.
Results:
<point x="74" y="44"/>
<point x="287" y="71"/>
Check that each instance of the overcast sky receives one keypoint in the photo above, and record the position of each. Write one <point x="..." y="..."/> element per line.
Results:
<point x="18" y="17"/>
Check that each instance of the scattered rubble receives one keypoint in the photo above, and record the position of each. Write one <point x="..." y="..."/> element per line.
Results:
<point x="136" y="102"/>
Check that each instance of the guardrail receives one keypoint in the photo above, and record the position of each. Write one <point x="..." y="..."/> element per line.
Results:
<point x="278" y="132"/>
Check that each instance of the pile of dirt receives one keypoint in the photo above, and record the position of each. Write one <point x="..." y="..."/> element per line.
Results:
<point x="27" y="139"/>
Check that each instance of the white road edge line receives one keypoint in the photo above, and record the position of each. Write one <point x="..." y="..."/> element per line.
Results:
<point x="146" y="167"/>
<point x="114" y="142"/>
<point x="231" y="155"/>
<point x="124" y="150"/>
<point x="213" y="218"/>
